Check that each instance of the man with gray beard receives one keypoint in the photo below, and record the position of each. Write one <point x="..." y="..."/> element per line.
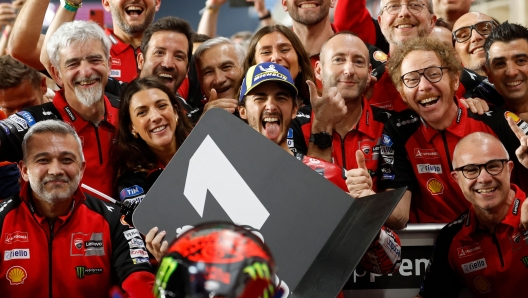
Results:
<point x="60" y="242"/>
<point x="79" y="52"/>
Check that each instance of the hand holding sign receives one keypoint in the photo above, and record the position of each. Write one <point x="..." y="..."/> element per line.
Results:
<point x="154" y="243"/>
<point x="358" y="180"/>
<point x="228" y="104"/>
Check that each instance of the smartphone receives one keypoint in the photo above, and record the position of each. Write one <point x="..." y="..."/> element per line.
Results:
<point x="97" y="15"/>
<point x="239" y="3"/>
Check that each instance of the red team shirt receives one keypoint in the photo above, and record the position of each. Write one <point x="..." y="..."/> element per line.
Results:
<point x="490" y="265"/>
<point x="124" y="62"/>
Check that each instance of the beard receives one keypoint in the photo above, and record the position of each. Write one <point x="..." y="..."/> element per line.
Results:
<point x="347" y="94"/>
<point x="119" y="16"/>
<point x="311" y="18"/>
<point x="89" y="96"/>
<point x="399" y="41"/>
<point x="55" y="195"/>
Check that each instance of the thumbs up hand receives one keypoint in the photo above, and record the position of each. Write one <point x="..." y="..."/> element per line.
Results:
<point x="229" y="104"/>
<point x="358" y="180"/>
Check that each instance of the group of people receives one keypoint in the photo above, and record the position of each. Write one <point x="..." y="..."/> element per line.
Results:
<point x="444" y="119"/>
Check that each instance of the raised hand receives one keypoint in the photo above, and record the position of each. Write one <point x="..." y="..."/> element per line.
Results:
<point x="229" y="104"/>
<point x="358" y="180"/>
<point x="154" y="243"/>
<point x="329" y="109"/>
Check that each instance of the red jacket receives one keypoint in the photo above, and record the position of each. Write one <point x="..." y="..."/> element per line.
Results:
<point x="489" y="265"/>
<point x="81" y="255"/>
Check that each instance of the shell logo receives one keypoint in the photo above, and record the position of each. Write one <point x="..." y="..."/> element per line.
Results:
<point x="16" y="275"/>
<point x="435" y="187"/>
<point x="482" y="284"/>
<point x="380" y="56"/>
<point x="513" y="116"/>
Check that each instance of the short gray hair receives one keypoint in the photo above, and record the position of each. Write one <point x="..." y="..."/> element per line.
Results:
<point x="429" y="4"/>
<point x="53" y="126"/>
<point x="213" y="42"/>
<point x="76" y="31"/>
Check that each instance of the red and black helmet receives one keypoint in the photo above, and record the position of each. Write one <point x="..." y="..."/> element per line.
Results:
<point x="216" y="260"/>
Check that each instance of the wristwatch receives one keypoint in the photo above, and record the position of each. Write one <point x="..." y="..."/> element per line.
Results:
<point x="322" y="139"/>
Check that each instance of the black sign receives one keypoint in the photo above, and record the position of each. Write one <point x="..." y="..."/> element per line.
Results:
<point x="227" y="171"/>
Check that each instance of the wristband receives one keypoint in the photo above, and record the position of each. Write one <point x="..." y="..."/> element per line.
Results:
<point x="70" y="6"/>
<point x="266" y="16"/>
<point x="211" y="8"/>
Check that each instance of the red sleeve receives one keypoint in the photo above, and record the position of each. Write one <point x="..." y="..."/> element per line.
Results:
<point x="139" y="284"/>
<point x="354" y="16"/>
<point x="183" y="90"/>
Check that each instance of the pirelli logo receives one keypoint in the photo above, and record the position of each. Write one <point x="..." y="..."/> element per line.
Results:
<point x="82" y="271"/>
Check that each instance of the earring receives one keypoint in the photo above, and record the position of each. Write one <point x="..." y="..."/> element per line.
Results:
<point x="134" y="134"/>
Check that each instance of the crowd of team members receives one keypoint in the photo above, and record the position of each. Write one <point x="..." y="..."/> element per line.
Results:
<point x="133" y="93"/>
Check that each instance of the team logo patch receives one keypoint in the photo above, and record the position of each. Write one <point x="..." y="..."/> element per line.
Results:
<point x="470" y="250"/>
<point x="131" y="192"/>
<point x="90" y="244"/>
<point x="22" y="253"/>
<point x="474" y="266"/>
<point x="16" y="237"/>
<point x="116" y="61"/>
<point x="379" y="56"/>
<point x="482" y="284"/>
<point x="16" y="275"/>
<point x="426" y="153"/>
<point x="82" y="271"/>
<point x="435" y="187"/>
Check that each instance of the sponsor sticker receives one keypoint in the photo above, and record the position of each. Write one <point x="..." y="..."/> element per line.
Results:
<point x="16" y="275"/>
<point x="115" y="73"/>
<point x="482" y="284"/>
<point x="131" y="192"/>
<point x="386" y="140"/>
<point x="21" y="253"/>
<point x="290" y="143"/>
<point x="290" y="133"/>
<point x="82" y="271"/>
<point x="379" y="56"/>
<point x="136" y="243"/>
<point x="138" y="253"/>
<point x="388" y="160"/>
<point x="474" y="266"/>
<point x="90" y="244"/>
<point x="140" y="260"/>
<point x="28" y="117"/>
<point x="388" y="177"/>
<point x="116" y="61"/>
<point x="516" y="206"/>
<point x="70" y="114"/>
<point x="16" y="237"/>
<point x="384" y="150"/>
<point x="426" y="153"/>
<point x="6" y="130"/>
<point x="525" y="261"/>
<point x="131" y="234"/>
<point x="435" y="187"/>
<point x="470" y="250"/>
<point x="429" y="169"/>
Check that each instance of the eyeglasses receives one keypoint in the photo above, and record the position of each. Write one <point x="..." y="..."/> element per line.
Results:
<point x="433" y="74"/>
<point x="493" y="167"/>
<point x="463" y="34"/>
<point x="415" y="7"/>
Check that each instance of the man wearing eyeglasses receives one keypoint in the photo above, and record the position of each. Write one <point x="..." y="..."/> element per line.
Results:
<point x="484" y="249"/>
<point x="417" y="144"/>
<point x="469" y="33"/>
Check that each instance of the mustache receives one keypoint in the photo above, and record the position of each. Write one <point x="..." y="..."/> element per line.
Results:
<point x="86" y="80"/>
<point x="55" y="179"/>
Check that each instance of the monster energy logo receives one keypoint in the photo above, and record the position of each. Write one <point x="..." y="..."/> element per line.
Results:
<point x="82" y="271"/>
<point x="261" y="271"/>
<point x="167" y="267"/>
<point x="525" y="261"/>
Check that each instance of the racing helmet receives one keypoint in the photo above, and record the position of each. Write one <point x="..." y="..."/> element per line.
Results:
<point x="216" y="260"/>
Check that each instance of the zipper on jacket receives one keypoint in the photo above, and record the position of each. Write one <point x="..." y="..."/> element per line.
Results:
<point x="50" y="254"/>
<point x="446" y="147"/>
<point x="496" y="242"/>
<point x="98" y="144"/>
